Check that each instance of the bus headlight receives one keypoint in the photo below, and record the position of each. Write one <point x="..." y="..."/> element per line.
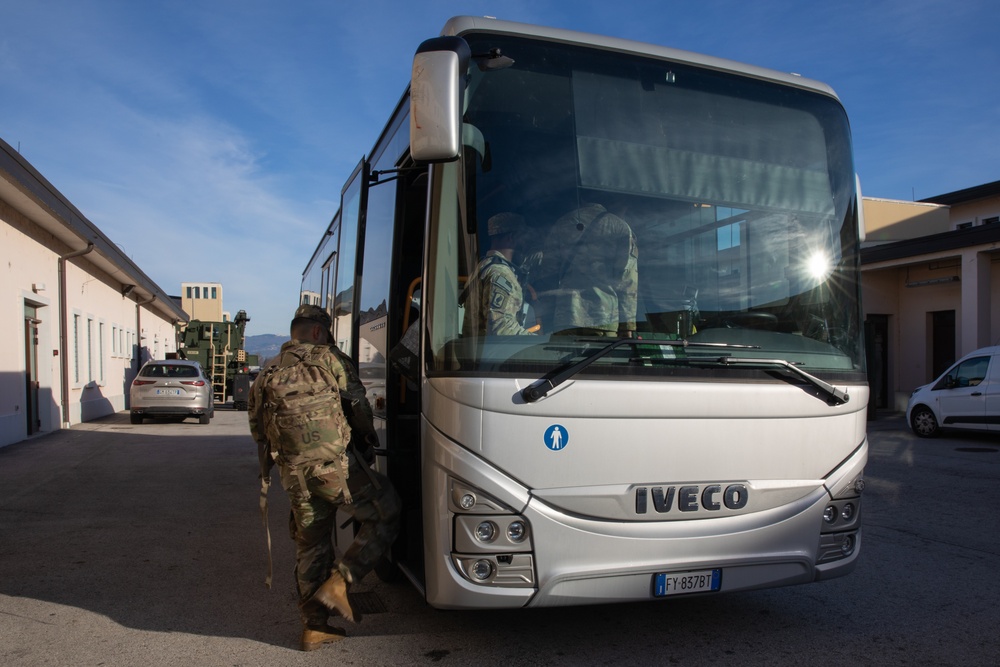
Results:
<point x="494" y="550"/>
<point x="490" y="542"/>
<point x="467" y="499"/>
<point x="481" y="569"/>
<point x="834" y="546"/>
<point x="841" y="515"/>
<point x="839" y="531"/>
<point x="516" y="531"/>
<point x="513" y="570"/>
<point x="491" y="534"/>
<point x="486" y="531"/>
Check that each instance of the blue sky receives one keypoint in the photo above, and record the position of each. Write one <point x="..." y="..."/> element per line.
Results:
<point x="231" y="125"/>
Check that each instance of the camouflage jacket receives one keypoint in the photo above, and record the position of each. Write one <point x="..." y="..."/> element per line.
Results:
<point x="588" y="277"/>
<point x="260" y="414"/>
<point x="493" y="299"/>
<point x="353" y="395"/>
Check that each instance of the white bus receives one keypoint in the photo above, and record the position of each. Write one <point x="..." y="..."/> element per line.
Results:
<point x="693" y="421"/>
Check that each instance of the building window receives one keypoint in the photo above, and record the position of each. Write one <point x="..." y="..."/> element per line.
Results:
<point x="189" y="291"/>
<point x="90" y="350"/>
<point x="990" y="221"/>
<point x="963" y="225"/>
<point x="76" y="349"/>
<point x="100" y="352"/>
<point x="197" y="292"/>
<point x="214" y="294"/>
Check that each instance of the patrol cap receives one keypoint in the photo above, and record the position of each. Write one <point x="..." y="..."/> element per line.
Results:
<point x="314" y="314"/>
<point x="505" y="223"/>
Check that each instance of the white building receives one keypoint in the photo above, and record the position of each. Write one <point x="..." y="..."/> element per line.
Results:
<point x="77" y="317"/>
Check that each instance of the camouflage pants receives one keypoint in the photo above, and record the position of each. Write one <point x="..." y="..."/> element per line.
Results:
<point x="313" y="522"/>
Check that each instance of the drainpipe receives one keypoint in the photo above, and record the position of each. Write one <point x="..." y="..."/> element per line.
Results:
<point x="64" y="328"/>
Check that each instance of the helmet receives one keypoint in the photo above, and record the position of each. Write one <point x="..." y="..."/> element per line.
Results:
<point x="314" y="313"/>
<point x="505" y="223"/>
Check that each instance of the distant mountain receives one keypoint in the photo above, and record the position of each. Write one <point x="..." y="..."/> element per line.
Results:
<point x="264" y="346"/>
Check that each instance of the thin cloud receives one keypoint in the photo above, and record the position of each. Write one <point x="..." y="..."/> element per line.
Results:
<point x="228" y="128"/>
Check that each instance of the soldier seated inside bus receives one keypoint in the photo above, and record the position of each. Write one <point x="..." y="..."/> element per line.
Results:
<point x="493" y="297"/>
<point x="587" y="280"/>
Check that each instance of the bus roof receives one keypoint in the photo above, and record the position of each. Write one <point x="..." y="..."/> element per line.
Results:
<point x="460" y="25"/>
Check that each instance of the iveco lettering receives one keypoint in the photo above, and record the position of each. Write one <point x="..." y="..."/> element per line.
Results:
<point x="711" y="497"/>
<point x="611" y="293"/>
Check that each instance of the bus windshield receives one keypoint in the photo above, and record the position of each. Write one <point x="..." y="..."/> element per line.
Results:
<point x="605" y="195"/>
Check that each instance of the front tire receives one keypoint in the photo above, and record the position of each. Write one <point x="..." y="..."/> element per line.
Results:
<point x="923" y="422"/>
<point x="204" y="419"/>
<point x="135" y="418"/>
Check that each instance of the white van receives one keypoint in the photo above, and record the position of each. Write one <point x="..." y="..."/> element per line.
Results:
<point x="966" y="396"/>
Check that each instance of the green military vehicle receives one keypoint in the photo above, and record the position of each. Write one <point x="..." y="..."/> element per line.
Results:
<point x="219" y="348"/>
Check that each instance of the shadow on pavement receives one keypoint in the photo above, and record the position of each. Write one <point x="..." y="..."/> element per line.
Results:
<point x="154" y="526"/>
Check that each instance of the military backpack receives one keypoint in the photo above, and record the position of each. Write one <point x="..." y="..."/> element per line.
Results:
<point x="304" y="420"/>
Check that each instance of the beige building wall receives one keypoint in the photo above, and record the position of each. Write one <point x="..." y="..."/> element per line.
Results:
<point x="203" y="301"/>
<point x="956" y="269"/>
<point x="29" y="277"/>
<point x="77" y="317"/>
<point x="892" y="220"/>
<point x="910" y="293"/>
<point x="982" y="211"/>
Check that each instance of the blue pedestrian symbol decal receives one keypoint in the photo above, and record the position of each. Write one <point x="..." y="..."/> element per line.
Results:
<point x="556" y="437"/>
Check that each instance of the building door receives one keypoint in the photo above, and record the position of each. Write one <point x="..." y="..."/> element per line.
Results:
<point x="31" y="322"/>
<point x="942" y="341"/>
<point x="877" y="349"/>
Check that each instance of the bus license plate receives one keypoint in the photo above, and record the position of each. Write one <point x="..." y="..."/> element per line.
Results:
<point x="682" y="583"/>
<point x="168" y="392"/>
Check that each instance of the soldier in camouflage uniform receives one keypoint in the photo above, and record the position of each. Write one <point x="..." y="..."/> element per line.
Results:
<point x="322" y="477"/>
<point x="493" y="297"/>
<point x="587" y="280"/>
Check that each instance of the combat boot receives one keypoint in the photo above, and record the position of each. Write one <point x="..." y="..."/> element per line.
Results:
<point x="333" y="594"/>
<point x="315" y="635"/>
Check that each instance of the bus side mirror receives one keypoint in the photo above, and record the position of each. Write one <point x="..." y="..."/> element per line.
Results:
<point x="437" y="84"/>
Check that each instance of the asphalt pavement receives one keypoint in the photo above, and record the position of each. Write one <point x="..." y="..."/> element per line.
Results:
<point x="142" y="545"/>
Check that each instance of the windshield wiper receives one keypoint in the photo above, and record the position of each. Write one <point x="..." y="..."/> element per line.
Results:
<point x="833" y="395"/>
<point x="541" y="387"/>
